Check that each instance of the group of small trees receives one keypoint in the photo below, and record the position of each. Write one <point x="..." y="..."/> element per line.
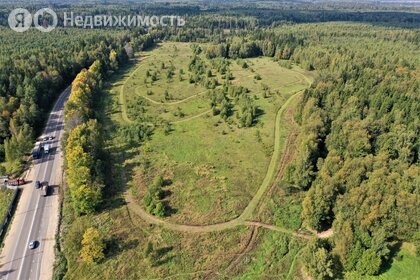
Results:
<point x="154" y="75"/>
<point x="135" y="133"/>
<point x="318" y="261"/>
<point x="224" y="101"/>
<point x="244" y="49"/>
<point x="247" y="111"/>
<point x="93" y="246"/>
<point x="197" y="68"/>
<point x="153" y="198"/>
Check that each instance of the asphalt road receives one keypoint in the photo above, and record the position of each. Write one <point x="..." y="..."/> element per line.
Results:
<point x="36" y="215"/>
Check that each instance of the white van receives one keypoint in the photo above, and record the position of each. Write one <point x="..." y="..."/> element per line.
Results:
<point x="46" y="148"/>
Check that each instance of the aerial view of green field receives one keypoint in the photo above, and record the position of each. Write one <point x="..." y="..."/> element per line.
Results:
<point x="213" y="140"/>
<point x="184" y="175"/>
<point x="202" y="154"/>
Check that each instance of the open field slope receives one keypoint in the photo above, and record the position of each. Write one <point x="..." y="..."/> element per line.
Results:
<point x="203" y="154"/>
<point x="187" y="156"/>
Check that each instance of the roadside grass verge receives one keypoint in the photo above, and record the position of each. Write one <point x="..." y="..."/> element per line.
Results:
<point x="6" y="197"/>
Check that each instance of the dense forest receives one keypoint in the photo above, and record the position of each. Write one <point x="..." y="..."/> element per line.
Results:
<point x="236" y="14"/>
<point x="35" y="69"/>
<point x="359" y="150"/>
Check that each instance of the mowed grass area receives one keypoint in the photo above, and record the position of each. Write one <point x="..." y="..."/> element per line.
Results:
<point x="6" y="197"/>
<point x="213" y="167"/>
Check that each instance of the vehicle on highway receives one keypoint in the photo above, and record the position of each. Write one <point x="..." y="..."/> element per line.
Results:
<point x="36" y="153"/>
<point x="46" y="148"/>
<point x="45" y="188"/>
<point x="37" y="185"/>
<point x="32" y="244"/>
<point x="51" y="137"/>
<point x="46" y="138"/>
<point x="14" y="182"/>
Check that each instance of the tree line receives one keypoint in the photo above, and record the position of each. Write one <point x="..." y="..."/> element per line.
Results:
<point x="84" y="141"/>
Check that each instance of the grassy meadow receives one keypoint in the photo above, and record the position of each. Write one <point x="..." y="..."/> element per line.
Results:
<point x="213" y="166"/>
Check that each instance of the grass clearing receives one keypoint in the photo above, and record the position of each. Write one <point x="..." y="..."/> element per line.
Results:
<point x="180" y="255"/>
<point x="212" y="170"/>
<point x="202" y="156"/>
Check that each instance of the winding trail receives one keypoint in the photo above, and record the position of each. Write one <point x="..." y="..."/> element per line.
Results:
<point x="171" y="103"/>
<point x="123" y="101"/>
<point x="192" y="117"/>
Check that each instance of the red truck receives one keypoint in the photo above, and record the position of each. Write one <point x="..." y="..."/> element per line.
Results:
<point x="14" y="182"/>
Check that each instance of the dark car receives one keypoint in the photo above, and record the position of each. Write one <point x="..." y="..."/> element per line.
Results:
<point x="32" y="244"/>
<point x="50" y="137"/>
<point x="46" y="138"/>
<point x="37" y="184"/>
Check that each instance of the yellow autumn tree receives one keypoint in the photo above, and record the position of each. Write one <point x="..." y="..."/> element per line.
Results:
<point x="93" y="246"/>
<point x="113" y="59"/>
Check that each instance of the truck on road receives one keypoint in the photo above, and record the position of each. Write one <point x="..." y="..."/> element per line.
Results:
<point x="45" y="188"/>
<point x="16" y="182"/>
<point x="13" y="182"/>
<point x="46" y="148"/>
<point x="37" y="151"/>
